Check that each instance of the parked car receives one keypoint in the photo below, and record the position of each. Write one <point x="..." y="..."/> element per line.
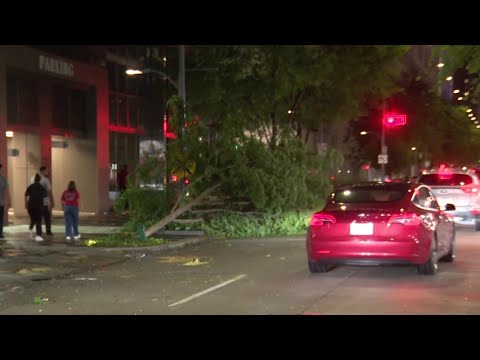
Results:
<point x="460" y="187"/>
<point x="381" y="223"/>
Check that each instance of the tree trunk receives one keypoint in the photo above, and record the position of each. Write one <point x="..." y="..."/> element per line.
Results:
<point x="273" y="140"/>
<point x="299" y="130"/>
<point x="176" y="213"/>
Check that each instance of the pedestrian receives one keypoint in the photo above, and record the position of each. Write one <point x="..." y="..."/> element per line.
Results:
<point x="49" y="203"/>
<point x="122" y="178"/>
<point x="4" y="199"/>
<point x="34" y="203"/>
<point x="70" y="207"/>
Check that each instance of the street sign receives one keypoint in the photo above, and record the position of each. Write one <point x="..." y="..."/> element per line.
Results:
<point x="383" y="159"/>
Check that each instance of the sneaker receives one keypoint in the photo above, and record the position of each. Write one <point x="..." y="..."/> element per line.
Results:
<point x="68" y="239"/>
<point x="77" y="237"/>
<point x="38" y="238"/>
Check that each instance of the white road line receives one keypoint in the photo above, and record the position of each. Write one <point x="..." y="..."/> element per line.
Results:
<point x="206" y="291"/>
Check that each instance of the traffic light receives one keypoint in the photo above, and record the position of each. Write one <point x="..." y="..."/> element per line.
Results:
<point x="392" y="120"/>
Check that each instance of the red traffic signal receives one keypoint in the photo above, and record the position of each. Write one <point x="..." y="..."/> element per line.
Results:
<point x="394" y="120"/>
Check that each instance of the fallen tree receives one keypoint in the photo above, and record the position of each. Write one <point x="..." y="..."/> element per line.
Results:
<point x="176" y="211"/>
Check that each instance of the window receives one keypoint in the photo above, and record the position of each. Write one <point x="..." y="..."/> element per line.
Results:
<point x="424" y="198"/>
<point x="122" y="111"/>
<point x="433" y="201"/>
<point x="22" y="100"/>
<point x="69" y="108"/>
<point x="369" y="194"/>
<point x="125" y="110"/>
<point x="446" y="179"/>
<point x="113" y="109"/>
<point x="133" y="112"/>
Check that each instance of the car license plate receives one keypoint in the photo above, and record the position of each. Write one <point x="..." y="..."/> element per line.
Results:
<point x="361" y="228"/>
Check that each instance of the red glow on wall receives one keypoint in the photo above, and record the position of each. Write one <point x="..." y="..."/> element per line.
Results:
<point x="166" y="133"/>
<point x="124" y="129"/>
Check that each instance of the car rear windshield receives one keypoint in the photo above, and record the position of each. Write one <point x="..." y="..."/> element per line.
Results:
<point x="368" y="195"/>
<point x="448" y="179"/>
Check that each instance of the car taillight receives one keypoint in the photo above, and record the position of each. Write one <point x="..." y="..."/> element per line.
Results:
<point x="475" y="211"/>
<point x="320" y="219"/>
<point x="405" y="219"/>
<point x="470" y="190"/>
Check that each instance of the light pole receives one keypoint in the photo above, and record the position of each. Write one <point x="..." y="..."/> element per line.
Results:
<point x="383" y="151"/>
<point x="381" y="137"/>
<point x="413" y="170"/>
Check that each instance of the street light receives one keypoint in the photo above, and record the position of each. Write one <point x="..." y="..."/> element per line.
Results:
<point x="363" y="133"/>
<point x="469" y="110"/>
<point x="449" y="78"/>
<point x="413" y="169"/>
<point x="152" y="71"/>
<point x="440" y="65"/>
<point x="180" y="85"/>
<point x="456" y="91"/>
<point x="134" y="72"/>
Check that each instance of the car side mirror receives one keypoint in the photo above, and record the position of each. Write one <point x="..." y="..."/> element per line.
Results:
<point x="449" y="207"/>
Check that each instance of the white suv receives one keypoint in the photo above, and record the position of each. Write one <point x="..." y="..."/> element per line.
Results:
<point x="458" y="187"/>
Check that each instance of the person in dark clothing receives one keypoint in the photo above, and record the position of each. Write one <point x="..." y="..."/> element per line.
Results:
<point x="122" y="178"/>
<point x="49" y="202"/>
<point x="34" y="203"/>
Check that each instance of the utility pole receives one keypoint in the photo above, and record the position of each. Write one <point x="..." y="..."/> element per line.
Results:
<point x="181" y="84"/>
<point x="383" y="149"/>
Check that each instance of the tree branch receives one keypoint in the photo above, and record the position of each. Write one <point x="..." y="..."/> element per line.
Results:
<point x="188" y="221"/>
<point x="183" y="192"/>
<point x="173" y="215"/>
<point x="226" y="211"/>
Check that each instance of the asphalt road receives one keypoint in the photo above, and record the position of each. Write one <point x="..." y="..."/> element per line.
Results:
<point x="261" y="276"/>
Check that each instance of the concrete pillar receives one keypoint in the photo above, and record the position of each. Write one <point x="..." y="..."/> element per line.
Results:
<point x="103" y="144"/>
<point x="3" y="127"/>
<point x="45" y="118"/>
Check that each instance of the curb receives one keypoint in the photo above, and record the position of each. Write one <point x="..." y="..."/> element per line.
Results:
<point x="270" y="238"/>
<point x="175" y="245"/>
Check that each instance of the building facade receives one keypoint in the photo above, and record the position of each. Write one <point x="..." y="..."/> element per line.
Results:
<point x="80" y="119"/>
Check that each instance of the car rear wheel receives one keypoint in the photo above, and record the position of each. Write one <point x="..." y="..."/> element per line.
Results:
<point x="431" y="266"/>
<point x="317" y="268"/>
<point x="477" y="225"/>
<point x="451" y="254"/>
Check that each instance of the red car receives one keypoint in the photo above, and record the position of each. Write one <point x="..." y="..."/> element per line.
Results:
<point x="381" y="223"/>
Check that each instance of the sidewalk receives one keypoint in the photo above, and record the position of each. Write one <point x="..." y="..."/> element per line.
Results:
<point x="22" y="260"/>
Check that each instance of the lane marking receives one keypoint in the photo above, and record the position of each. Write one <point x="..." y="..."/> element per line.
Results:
<point x="206" y="291"/>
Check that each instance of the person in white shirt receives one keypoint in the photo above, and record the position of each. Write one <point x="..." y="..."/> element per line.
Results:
<point x="49" y="203"/>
